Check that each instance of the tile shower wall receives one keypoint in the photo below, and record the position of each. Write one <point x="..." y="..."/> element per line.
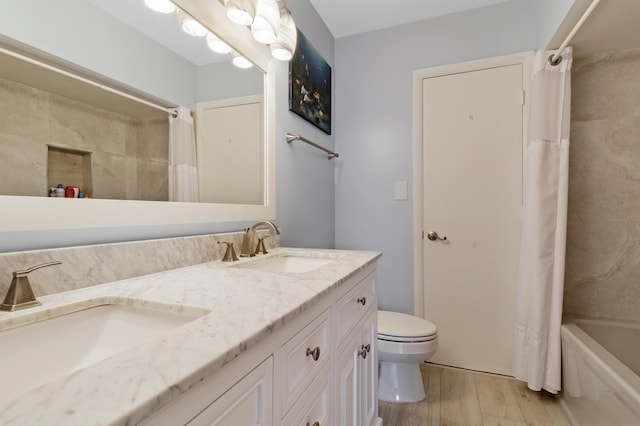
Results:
<point x="603" y="237"/>
<point x="128" y="157"/>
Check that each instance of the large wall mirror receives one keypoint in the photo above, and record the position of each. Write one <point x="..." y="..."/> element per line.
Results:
<point x="59" y="130"/>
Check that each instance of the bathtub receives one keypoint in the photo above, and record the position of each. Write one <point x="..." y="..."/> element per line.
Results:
<point x="601" y="372"/>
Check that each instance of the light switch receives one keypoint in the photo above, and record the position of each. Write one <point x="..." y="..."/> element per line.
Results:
<point x="400" y="190"/>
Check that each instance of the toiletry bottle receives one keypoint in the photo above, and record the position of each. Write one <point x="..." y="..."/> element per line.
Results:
<point x="60" y="191"/>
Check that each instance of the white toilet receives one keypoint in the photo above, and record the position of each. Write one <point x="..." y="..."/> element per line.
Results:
<point x="404" y="342"/>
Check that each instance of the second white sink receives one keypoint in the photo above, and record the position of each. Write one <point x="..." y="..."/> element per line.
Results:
<point x="287" y="263"/>
<point x="49" y="349"/>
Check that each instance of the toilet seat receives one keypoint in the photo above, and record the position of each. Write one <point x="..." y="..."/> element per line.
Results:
<point x="398" y="327"/>
<point x="407" y="339"/>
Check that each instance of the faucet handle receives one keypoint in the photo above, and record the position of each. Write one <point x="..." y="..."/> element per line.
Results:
<point x="20" y="294"/>
<point x="230" y="253"/>
<point x="260" y="248"/>
<point x="26" y="272"/>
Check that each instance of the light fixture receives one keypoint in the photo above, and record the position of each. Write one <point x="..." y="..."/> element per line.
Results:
<point x="284" y="46"/>
<point x="217" y="45"/>
<point x="266" y="22"/>
<point x="162" y="6"/>
<point x="240" y="11"/>
<point x="190" y="25"/>
<point x="240" y="61"/>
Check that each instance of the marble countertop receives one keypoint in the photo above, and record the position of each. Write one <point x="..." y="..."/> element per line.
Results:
<point x="240" y="307"/>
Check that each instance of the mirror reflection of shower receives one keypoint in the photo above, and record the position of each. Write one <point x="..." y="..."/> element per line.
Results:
<point x="73" y="134"/>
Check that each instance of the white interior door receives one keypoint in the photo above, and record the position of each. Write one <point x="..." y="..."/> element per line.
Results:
<point x="230" y="150"/>
<point x="472" y="147"/>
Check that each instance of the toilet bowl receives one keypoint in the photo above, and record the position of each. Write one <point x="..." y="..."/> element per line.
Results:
<point x="404" y="342"/>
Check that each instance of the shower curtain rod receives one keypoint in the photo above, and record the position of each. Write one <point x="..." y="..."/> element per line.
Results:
<point x="557" y="57"/>
<point x="173" y="113"/>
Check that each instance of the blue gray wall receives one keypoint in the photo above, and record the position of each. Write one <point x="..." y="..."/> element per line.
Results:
<point x="305" y="177"/>
<point x="549" y="15"/>
<point x="374" y="121"/>
<point x="348" y="202"/>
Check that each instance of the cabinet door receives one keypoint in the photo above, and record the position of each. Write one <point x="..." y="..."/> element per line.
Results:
<point x="368" y="370"/>
<point x="248" y="402"/>
<point x="346" y="402"/>
<point x="316" y="404"/>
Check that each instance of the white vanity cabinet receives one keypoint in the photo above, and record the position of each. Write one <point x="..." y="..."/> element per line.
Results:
<point x="356" y="363"/>
<point x="319" y="369"/>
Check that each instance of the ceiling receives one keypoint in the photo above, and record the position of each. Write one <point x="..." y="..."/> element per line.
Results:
<point x="613" y="25"/>
<point x="350" y="17"/>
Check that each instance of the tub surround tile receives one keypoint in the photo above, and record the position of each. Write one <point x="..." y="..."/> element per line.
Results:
<point x="603" y="232"/>
<point x="606" y="86"/>
<point x="244" y="306"/>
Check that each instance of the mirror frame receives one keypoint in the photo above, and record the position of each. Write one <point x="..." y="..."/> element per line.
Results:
<point x="26" y="213"/>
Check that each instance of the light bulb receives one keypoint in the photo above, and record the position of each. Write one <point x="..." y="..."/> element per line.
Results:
<point x="240" y="61"/>
<point x="191" y="26"/>
<point x="284" y="46"/>
<point x="217" y="45"/>
<point x="266" y="22"/>
<point x="162" y="6"/>
<point x="240" y="11"/>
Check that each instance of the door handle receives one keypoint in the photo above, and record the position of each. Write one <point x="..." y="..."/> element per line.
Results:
<point x="433" y="236"/>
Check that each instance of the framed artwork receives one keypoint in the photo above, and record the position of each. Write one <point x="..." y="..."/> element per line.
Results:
<point x="310" y="85"/>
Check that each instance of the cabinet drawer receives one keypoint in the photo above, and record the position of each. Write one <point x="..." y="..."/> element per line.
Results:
<point x="315" y="405"/>
<point x="353" y="305"/>
<point x="303" y="356"/>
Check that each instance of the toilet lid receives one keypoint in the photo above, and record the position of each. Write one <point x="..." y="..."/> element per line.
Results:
<point x="403" y="325"/>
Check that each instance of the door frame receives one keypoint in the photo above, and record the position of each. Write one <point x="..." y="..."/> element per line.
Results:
<point x="525" y="59"/>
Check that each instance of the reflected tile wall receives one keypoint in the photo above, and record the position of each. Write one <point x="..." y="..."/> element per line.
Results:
<point x="23" y="124"/>
<point x="31" y="118"/>
<point x="603" y="236"/>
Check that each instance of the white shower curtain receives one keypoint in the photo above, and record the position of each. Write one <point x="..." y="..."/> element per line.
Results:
<point x="541" y="276"/>
<point x="183" y="173"/>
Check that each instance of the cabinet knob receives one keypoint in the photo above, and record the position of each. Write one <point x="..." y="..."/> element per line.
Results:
<point x="315" y="353"/>
<point x="362" y="300"/>
<point x="367" y="347"/>
<point x="314" y="424"/>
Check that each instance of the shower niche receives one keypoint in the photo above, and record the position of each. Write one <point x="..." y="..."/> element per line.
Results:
<point x="69" y="167"/>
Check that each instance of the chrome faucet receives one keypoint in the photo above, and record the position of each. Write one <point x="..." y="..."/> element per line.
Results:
<point x="20" y="295"/>
<point x="249" y="246"/>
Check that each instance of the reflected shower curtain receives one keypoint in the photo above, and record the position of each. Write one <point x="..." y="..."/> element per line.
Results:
<point x="183" y="173"/>
<point x="544" y="226"/>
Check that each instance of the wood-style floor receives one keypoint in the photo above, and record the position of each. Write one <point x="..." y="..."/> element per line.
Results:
<point x="463" y="398"/>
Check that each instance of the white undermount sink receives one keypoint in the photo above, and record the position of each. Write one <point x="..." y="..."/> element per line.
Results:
<point x="43" y="351"/>
<point x="288" y="262"/>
